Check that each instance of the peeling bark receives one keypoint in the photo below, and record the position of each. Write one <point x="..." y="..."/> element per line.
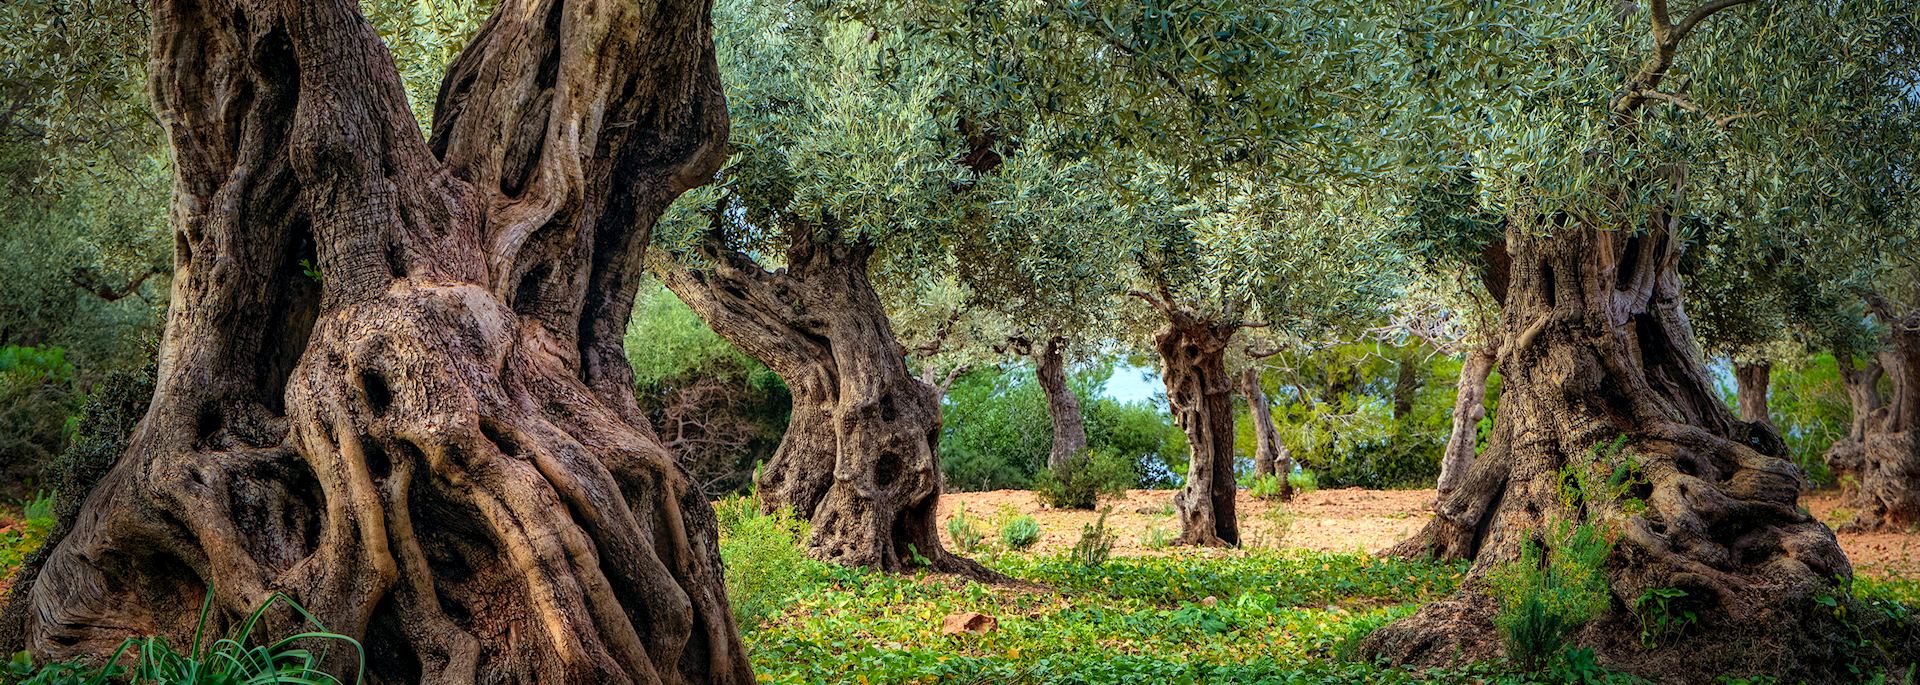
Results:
<point x="428" y="447"/>
<point x="1469" y="408"/>
<point x="860" y="459"/>
<point x="1596" y="347"/>
<point x="1270" y="457"/>
<point x="1063" y="407"/>
<point x="1192" y="350"/>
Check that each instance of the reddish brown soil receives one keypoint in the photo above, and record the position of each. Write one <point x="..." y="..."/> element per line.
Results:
<point x="1335" y="520"/>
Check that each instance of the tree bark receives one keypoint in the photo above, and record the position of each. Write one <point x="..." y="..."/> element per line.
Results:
<point x="1862" y="381"/>
<point x="1750" y="381"/>
<point x="1889" y="496"/>
<point x="860" y="459"/>
<point x="1469" y="408"/>
<point x="1192" y="351"/>
<point x="1270" y="457"/>
<point x="1596" y="348"/>
<point x="433" y="447"/>
<point x="1063" y="407"/>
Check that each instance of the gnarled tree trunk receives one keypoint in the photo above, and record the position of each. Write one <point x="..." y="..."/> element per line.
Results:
<point x="1889" y="495"/>
<point x="1862" y="381"/>
<point x="1192" y="349"/>
<point x="1270" y="457"/>
<point x="1063" y="407"/>
<point x="433" y="446"/>
<point x="860" y="459"/>
<point x="1469" y="408"/>
<point x="1750" y="390"/>
<point x="1597" y="349"/>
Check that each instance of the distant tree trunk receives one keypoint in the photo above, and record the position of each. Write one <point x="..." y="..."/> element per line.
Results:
<point x="1192" y="349"/>
<point x="1889" y="496"/>
<point x="1469" y="408"/>
<point x="860" y="459"/>
<point x="1750" y="381"/>
<point x="1596" y="348"/>
<point x="433" y="445"/>
<point x="1406" y="384"/>
<point x="1862" y="381"/>
<point x="1270" y="456"/>
<point x="1063" y="407"/>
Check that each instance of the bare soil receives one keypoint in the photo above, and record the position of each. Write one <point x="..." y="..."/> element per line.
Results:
<point x="1345" y="520"/>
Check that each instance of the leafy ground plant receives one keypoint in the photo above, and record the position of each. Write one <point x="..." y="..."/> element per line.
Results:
<point x="763" y="556"/>
<point x="1019" y="532"/>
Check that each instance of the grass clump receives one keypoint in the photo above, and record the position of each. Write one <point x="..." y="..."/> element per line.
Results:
<point x="1550" y="592"/>
<point x="236" y="659"/>
<point x="1303" y="481"/>
<point x="764" y="560"/>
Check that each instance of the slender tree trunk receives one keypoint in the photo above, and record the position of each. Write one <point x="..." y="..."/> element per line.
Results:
<point x="1406" y="383"/>
<point x="434" y="447"/>
<point x="860" y="459"/>
<point x="1596" y="348"/>
<point x="1063" y="407"/>
<point x="1862" y="381"/>
<point x="1270" y="458"/>
<point x="1469" y="408"/>
<point x="1889" y="496"/>
<point x="1193" y="365"/>
<point x="1750" y="381"/>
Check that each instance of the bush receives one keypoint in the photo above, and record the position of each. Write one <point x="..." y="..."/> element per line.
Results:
<point x="1020" y="532"/>
<point x="38" y="400"/>
<point x="1303" y="480"/>
<point x="966" y="536"/>
<point x="1156" y="537"/>
<point x="1265" y="487"/>
<point x="1546" y="595"/>
<point x="1087" y="478"/>
<point x="765" y="564"/>
<point x="1096" y="544"/>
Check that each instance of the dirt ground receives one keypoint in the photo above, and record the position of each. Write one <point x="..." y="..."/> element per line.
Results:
<point x="1334" y="520"/>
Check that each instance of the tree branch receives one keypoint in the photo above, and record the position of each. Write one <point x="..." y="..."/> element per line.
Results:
<point x="1700" y="14"/>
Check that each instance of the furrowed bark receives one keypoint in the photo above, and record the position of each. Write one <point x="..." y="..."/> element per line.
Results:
<point x="1270" y="457"/>
<point x="1597" y="348"/>
<point x="860" y="459"/>
<point x="1889" y="471"/>
<point x="423" y="446"/>
<point x="1750" y="381"/>
<point x="1192" y="350"/>
<point x="1862" y="381"/>
<point x="1063" y="407"/>
<point x="1469" y="408"/>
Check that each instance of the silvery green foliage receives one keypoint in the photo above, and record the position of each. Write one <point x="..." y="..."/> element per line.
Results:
<point x="423" y="37"/>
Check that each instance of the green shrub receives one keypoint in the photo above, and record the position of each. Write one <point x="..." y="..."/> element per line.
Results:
<point x="764" y="560"/>
<point x="1156" y="537"/>
<point x="1085" y="479"/>
<point x="1347" y="647"/>
<point x="1303" y="480"/>
<point x="206" y="662"/>
<point x="1264" y="487"/>
<point x="1546" y="595"/>
<point x="1096" y="543"/>
<point x="1663" y="614"/>
<point x="1019" y="532"/>
<point x="966" y="536"/>
<point x="1274" y="525"/>
<point x="39" y="397"/>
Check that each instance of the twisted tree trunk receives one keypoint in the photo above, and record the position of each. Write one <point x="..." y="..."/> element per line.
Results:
<point x="1862" y="381"/>
<point x="860" y="459"/>
<point x="1750" y="390"/>
<point x="1063" y="407"/>
<point x="1596" y="348"/>
<point x="1889" y="495"/>
<point x="1192" y="349"/>
<point x="1469" y="408"/>
<point x="1270" y="457"/>
<point x="434" y="445"/>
